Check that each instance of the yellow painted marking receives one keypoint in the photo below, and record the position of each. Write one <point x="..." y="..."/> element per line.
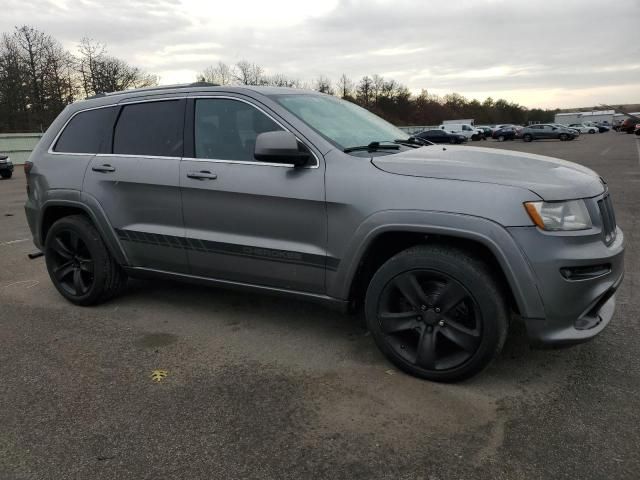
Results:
<point x="159" y="375"/>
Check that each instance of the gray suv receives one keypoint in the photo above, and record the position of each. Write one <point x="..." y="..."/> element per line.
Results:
<point x="292" y="192"/>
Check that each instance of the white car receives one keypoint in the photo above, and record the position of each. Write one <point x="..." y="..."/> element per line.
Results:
<point x="582" y="128"/>
<point x="465" y="129"/>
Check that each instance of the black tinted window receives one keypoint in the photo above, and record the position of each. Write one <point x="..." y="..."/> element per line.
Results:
<point x="227" y="129"/>
<point x="88" y="132"/>
<point x="151" y="128"/>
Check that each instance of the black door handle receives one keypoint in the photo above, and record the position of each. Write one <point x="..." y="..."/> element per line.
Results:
<point x="104" y="168"/>
<point x="202" y="175"/>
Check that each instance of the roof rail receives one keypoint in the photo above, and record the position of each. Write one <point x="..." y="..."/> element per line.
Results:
<point x="159" y="87"/>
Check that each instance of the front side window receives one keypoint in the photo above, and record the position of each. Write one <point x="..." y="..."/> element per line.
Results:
<point x="342" y="123"/>
<point x="226" y="129"/>
<point x="88" y="132"/>
<point x="150" y="129"/>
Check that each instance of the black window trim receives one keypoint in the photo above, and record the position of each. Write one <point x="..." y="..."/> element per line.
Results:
<point x="190" y="134"/>
<point x="119" y="106"/>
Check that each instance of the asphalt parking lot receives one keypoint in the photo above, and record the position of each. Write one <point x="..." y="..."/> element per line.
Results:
<point x="262" y="387"/>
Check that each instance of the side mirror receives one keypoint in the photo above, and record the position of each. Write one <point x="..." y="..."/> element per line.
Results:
<point x="279" y="147"/>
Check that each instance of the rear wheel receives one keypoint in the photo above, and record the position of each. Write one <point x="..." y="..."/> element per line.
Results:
<point x="501" y="138"/>
<point x="79" y="264"/>
<point x="437" y="313"/>
<point x="527" y="137"/>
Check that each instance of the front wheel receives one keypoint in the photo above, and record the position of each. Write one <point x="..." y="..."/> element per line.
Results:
<point x="592" y="131"/>
<point x="437" y="313"/>
<point x="563" y="137"/>
<point x="501" y="138"/>
<point x="79" y="264"/>
<point x="6" y="173"/>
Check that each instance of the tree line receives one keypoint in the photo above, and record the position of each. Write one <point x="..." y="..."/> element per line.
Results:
<point x="39" y="77"/>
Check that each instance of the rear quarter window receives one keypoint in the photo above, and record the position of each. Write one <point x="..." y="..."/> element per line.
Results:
<point x="88" y="132"/>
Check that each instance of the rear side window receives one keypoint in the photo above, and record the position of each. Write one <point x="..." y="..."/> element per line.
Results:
<point x="88" y="132"/>
<point x="150" y="128"/>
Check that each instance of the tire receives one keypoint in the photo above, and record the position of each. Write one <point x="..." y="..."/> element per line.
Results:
<point x="79" y="264"/>
<point x="527" y="137"/>
<point x="501" y="138"/>
<point x="453" y="141"/>
<point x="563" y="137"/>
<point x="592" y="131"/>
<point x="6" y="173"/>
<point x="450" y="301"/>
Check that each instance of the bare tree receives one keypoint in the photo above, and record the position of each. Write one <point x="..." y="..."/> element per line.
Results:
<point x="221" y="74"/>
<point x="364" y="92"/>
<point x="248" y="73"/>
<point x="345" y="87"/>
<point x="103" y="73"/>
<point x="281" y="80"/>
<point x="323" y="85"/>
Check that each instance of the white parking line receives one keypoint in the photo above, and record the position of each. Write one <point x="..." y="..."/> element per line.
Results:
<point x="11" y="242"/>
<point x="605" y="151"/>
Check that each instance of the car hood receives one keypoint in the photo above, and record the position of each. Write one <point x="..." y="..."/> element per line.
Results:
<point x="550" y="178"/>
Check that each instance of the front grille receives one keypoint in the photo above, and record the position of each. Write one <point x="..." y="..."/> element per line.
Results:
<point x="608" y="219"/>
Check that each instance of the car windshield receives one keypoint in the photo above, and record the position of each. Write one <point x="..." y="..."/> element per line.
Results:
<point x="343" y="123"/>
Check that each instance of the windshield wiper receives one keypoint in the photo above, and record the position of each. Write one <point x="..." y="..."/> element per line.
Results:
<point x="372" y="147"/>
<point x="413" y="142"/>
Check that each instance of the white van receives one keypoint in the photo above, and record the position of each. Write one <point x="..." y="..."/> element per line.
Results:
<point x="465" y="129"/>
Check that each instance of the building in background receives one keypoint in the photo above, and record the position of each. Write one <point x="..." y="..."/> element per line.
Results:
<point x="595" y="116"/>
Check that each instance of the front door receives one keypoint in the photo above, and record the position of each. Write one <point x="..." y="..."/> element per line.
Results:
<point x="137" y="183"/>
<point x="247" y="221"/>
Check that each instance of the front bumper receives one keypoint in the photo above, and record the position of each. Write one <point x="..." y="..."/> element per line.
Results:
<point x="579" y="306"/>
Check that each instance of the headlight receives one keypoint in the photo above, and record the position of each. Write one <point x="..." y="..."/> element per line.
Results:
<point x="569" y="215"/>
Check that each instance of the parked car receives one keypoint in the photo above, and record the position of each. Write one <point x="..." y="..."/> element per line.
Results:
<point x="575" y="131"/>
<point x="628" y="125"/>
<point x="601" y="127"/>
<point x="486" y="130"/>
<point x="6" y="166"/>
<point x="440" y="136"/>
<point x="294" y="192"/>
<point x="582" y="128"/>
<point x="505" y="133"/>
<point x="547" y="131"/>
<point x="462" y="129"/>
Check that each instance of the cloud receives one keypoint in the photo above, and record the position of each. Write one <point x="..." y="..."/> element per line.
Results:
<point x="574" y="50"/>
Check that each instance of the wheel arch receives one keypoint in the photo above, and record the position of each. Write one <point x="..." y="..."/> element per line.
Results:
<point x="53" y="210"/>
<point x="482" y="237"/>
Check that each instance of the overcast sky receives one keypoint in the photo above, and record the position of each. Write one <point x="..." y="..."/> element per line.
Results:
<point x="538" y="53"/>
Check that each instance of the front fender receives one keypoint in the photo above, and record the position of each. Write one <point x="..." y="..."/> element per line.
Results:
<point x="493" y="236"/>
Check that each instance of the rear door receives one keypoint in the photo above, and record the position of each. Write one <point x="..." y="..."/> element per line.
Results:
<point x="137" y="182"/>
<point x="249" y="221"/>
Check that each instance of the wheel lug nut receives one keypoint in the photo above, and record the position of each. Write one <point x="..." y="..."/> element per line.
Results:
<point x="437" y="310"/>
<point x="441" y="323"/>
<point x="423" y="307"/>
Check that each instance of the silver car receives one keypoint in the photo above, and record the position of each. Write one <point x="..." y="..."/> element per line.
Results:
<point x="292" y="192"/>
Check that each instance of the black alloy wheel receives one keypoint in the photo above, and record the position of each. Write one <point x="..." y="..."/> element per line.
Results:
<point x="79" y="263"/>
<point x="71" y="263"/>
<point x="430" y="320"/>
